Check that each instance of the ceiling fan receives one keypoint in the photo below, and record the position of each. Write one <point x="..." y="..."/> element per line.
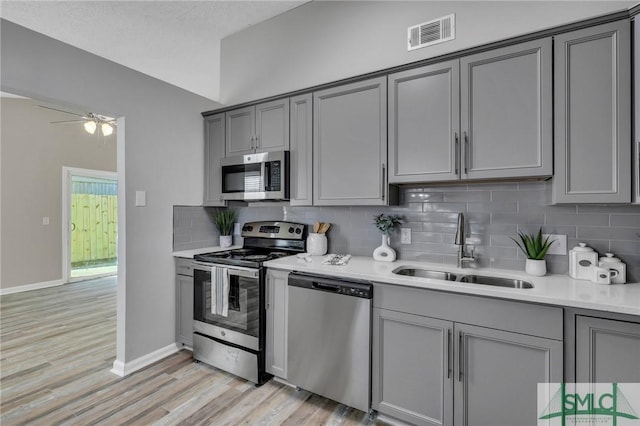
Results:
<point x="90" y="121"/>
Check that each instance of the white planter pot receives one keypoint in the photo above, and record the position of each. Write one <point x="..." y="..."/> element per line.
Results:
<point x="317" y="244"/>
<point x="384" y="253"/>
<point x="226" y="241"/>
<point x="537" y="268"/>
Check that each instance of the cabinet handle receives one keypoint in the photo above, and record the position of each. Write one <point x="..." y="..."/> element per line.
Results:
<point x="449" y="353"/>
<point x="384" y="176"/>
<point x="251" y="145"/>
<point x="466" y="153"/>
<point x="460" y="356"/>
<point x="266" y="292"/>
<point x="457" y="153"/>
<point x="257" y="139"/>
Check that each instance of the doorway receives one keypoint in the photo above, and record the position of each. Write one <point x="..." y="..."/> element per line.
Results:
<point x="90" y="224"/>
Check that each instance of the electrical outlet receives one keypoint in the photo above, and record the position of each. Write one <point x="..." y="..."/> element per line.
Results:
<point x="559" y="247"/>
<point x="405" y="235"/>
<point x="45" y="220"/>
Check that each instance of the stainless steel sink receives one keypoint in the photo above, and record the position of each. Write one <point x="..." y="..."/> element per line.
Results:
<point x="471" y="279"/>
<point x="425" y="273"/>
<point x="495" y="281"/>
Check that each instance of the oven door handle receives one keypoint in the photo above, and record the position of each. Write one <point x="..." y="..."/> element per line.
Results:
<point x="232" y="271"/>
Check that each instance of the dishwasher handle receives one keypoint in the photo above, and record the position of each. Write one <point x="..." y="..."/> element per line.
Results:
<point x="325" y="287"/>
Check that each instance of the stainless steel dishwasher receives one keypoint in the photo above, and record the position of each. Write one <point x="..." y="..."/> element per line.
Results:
<point x="329" y="345"/>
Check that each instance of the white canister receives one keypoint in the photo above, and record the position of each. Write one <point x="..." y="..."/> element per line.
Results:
<point x="600" y="275"/>
<point x="316" y="244"/>
<point x="614" y="264"/>
<point x="581" y="259"/>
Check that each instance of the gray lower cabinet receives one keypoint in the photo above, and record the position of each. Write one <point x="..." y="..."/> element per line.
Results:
<point x="424" y="124"/>
<point x="263" y="127"/>
<point x="446" y="359"/>
<point x="506" y="112"/>
<point x="301" y="150"/>
<point x="213" y="152"/>
<point x="184" y="302"/>
<point x="593" y="115"/>
<point x="350" y="144"/>
<point x="607" y="350"/>
<point x="277" y="306"/>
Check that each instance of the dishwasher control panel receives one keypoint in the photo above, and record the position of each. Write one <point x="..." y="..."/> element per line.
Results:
<point x="362" y="289"/>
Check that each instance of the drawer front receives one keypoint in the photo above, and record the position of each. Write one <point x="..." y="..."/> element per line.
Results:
<point x="184" y="267"/>
<point x="518" y="317"/>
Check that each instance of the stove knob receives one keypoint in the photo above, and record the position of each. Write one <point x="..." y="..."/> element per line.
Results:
<point x="291" y="230"/>
<point x="298" y="231"/>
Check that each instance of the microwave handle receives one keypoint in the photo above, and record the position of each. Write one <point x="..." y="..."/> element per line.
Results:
<point x="266" y="173"/>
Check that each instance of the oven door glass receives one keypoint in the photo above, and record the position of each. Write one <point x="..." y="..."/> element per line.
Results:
<point x="243" y="178"/>
<point x="244" y="302"/>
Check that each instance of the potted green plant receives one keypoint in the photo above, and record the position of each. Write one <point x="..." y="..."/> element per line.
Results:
<point x="385" y="224"/>
<point x="535" y="248"/>
<point x="224" y="220"/>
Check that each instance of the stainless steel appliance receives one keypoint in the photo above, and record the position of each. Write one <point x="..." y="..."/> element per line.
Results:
<point x="258" y="176"/>
<point x="235" y="342"/>
<point x="329" y="346"/>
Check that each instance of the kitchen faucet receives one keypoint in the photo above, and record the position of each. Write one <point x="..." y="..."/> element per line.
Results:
<point x="463" y="256"/>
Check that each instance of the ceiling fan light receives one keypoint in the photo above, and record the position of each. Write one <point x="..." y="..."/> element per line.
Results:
<point x="107" y="129"/>
<point x="90" y="127"/>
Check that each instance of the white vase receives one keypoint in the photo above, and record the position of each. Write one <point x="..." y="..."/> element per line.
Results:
<point x="316" y="244"/>
<point x="226" y="241"/>
<point x="537" y="268"/>
<point x="384" y="253"/>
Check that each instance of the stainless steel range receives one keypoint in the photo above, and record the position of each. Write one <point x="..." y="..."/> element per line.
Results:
<point x="229" y="298"/>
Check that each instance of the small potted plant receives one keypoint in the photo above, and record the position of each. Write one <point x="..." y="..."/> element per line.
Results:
<point x="385" y="224"/>
<point x="224" y="220"/>
<point x="535" y="248"/>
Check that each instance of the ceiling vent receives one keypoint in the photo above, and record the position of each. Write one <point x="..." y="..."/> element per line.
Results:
<point x="432" y="32"/>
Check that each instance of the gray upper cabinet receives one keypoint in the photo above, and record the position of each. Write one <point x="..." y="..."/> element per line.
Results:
<point x="264" y="127"/>
<point x="593" y="115"/>
<point x="350" y="144"/>
<point x="506" y="112"/>
<point x="424" y="122"/>
<point x="607" y="350"/>
<point x="213" y="152"/>
<point x="636" y="97"/>
<point x="301" y="150"/>
<point x="494" y="365"/>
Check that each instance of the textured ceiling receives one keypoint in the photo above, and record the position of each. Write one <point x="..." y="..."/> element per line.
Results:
<point x="174" y="41"/>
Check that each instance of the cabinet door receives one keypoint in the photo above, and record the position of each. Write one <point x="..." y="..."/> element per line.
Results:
<point x="184" y="310"/>
<point x="424" y="121"/>
<point x="301" y="155"/>
<point x="272" y="126"/>
<point x="607" y="351"/>
<point x="592" y="115"/>
<point x="412" y="372"/>
<point x="213" y="152"/>
<point x="506" y="112"/>
<point x="636" y="97"/>
<point x="240" y="131"/>
<point x="497" y="373"/>
<point x="277" y="308"/>
<point x="350" y="144"/>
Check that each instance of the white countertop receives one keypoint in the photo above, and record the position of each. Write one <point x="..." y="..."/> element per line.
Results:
<point x="560" y="290"/>
<point x="188" y="254"/>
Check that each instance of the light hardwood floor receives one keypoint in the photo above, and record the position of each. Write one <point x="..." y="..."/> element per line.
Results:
<point x="58" y="345"/>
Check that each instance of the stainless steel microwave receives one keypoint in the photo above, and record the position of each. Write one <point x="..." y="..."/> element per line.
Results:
<point x="259" y="176"/>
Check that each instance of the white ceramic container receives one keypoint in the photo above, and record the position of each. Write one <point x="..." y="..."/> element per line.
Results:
<point x="317" y="244"/>
<point x="613" y="263"/>
<point x="581" y="259"/>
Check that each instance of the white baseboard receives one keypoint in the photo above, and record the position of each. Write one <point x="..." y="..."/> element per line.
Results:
<point x="124" y="369"/>
<point x="29" y="287"/>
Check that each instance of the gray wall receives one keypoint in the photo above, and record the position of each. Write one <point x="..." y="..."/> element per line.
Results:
<point x="324" y="41"/>
<point x="495" y="213"/>
<point x="33" y="154"/>
<point x="162" y="154"/>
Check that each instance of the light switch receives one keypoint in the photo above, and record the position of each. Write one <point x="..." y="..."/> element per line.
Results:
<point x="45" y="220"/>
<point x="141" y="198"/>
<point x="405" y="235"/>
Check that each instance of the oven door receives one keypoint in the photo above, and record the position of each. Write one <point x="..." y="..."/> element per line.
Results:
<point x="242" y="324"/>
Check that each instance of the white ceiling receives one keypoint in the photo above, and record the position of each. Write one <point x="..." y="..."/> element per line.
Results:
<point x="174" y="41"/>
